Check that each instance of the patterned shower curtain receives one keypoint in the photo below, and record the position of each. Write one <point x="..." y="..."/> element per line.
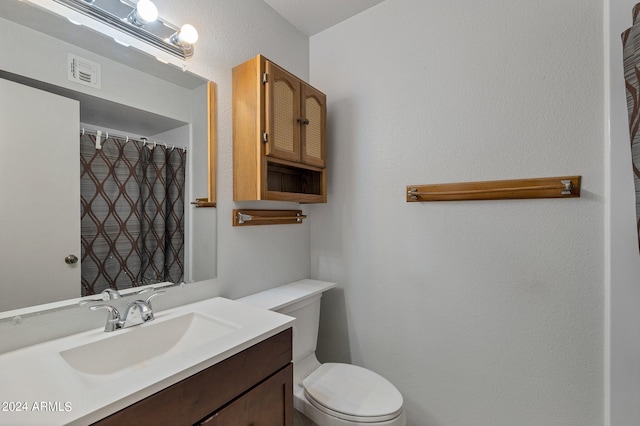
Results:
<point x="132" y="219"/>
<point x="631" y="54"/>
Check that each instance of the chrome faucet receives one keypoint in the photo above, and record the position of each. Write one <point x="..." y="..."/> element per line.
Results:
<point x="136" y="312"/>
<point x="110" y="294"/>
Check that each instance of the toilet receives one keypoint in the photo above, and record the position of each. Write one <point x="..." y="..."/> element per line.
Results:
<point x="330" y="394"/>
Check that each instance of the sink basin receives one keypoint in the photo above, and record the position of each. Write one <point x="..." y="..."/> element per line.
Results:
<point x="100" y="373"/>
<point x="135" y="346"/>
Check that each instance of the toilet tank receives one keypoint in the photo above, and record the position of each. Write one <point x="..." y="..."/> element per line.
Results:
<point x="305" y="327"/>
<point x="300" y="300"/>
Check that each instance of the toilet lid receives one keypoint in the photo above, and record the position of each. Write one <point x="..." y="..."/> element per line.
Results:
<point x="352" y="393"/>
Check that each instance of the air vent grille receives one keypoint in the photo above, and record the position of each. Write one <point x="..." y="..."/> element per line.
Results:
<point x="84" y="71"/>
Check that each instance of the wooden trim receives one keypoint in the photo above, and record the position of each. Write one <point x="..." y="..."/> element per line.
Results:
<point x="247" y="107"/>
<point x="550" y="187"/>
<point x="295" y="196"/>
<point x="323" y="197"/>
<point x="210" y="200"/>
<point x="260" y="176"/>
<point x="267" y="217"/>
<point x="213" y="139"/>
<point x="295" y="164"/>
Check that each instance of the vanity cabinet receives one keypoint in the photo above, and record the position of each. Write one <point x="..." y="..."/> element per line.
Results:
<point x="253" y="387"/>
<point x="262" y="406"/>
<point x="279" y="135"/>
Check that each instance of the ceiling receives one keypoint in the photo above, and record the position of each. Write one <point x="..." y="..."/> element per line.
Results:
<point x="314" y="16"/>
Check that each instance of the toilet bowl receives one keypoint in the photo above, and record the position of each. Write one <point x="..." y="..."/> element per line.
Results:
<point x="330" y="394"/>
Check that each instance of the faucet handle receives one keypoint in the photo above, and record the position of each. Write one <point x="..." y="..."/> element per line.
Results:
<point x="145" y="290"/>
<point x="87" y="301"/>
<point x="105" y="295"/>
<point x="151" y="296"/>
<point x="110" y="294"/>
<point x="113" y="318"/>
<point x="140" y="311"/>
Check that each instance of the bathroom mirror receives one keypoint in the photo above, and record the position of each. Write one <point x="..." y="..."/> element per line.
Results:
<point x="137" y="95"/>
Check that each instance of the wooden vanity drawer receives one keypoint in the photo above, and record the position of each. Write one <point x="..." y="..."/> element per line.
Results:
<point x="199" y="396"/>
<point x="263" y="406"/>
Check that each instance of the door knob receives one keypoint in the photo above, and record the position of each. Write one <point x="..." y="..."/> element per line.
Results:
<point x="71" y="259"/>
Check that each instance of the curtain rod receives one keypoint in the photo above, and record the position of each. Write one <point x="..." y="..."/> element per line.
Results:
<point x="142" y="139"/>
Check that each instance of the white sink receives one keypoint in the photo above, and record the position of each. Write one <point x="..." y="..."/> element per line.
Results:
<point x="90" y="375"/>
<point x="135" y="346"/>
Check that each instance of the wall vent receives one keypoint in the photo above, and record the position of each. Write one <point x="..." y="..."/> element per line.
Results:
<point x="83" y="71"/>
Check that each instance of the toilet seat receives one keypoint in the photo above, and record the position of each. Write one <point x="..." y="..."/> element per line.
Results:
<point x="352" y="393"/>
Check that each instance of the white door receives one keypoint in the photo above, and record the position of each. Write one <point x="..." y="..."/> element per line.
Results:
<point x="39" y="196"/>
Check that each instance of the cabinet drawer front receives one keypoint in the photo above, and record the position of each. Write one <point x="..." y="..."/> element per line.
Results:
<point x="195" y="398"/>
<point x="268" y="404"/>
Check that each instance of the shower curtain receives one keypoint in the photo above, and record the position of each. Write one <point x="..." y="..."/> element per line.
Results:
<point x="631" y="55"/>
<point x="132" y="218"/>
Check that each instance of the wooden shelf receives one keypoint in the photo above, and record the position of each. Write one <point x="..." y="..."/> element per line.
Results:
<point x="550" y="187"/>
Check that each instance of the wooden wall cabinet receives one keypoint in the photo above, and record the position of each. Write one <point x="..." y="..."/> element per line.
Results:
<point x="254" y="387"/>
<point x="279" y="135"/>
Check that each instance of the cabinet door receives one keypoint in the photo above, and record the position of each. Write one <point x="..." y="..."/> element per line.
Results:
<point x="282" y="114"/>
<point x="312" y="137"/>
<point x="268" y="404"/>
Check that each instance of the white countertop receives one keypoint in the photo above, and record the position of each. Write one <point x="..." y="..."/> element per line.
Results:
<point x="38" y="387"/>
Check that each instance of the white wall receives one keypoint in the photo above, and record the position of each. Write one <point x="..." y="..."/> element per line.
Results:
<point x="232" y="31"/>
<point x="482" y="313"/>
<point x="622" y="243"/>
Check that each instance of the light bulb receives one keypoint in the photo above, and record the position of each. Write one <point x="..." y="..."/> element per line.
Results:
<point x="147" y="11"/>
<point x="185" y="37"/>
<point x="144" y="13"/>
<point x="188" y="34"/>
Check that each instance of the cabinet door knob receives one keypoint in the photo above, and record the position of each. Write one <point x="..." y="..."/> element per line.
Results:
<point x="71" y="259"/>
<point x="303" y="121"/>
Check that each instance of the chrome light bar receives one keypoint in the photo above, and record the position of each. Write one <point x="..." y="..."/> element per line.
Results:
<point x="121" y="15"/>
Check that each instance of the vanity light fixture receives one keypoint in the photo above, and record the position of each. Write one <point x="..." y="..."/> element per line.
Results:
<point x="140" y="20"/>
<point x="144" y="12"/>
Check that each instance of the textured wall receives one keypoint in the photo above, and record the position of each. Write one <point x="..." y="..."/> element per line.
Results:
<point x="624" y="268"/>
<point x="482" y="313"/>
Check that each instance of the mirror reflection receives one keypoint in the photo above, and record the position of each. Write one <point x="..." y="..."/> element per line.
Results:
<point x="105" y="147"/>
